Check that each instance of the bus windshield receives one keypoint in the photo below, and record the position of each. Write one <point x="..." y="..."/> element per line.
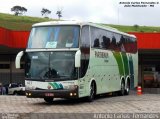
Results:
<point x="54" y="37"/>
<point x="50" y="65"/>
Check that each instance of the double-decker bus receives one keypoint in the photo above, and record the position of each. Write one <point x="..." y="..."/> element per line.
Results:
<point x="69" y="59"/>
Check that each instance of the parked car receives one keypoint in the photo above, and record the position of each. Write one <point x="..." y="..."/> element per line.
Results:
<point x="16" y="89"/>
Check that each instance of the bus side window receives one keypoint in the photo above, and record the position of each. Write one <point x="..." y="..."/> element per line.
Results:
<point x="122" y="43"/>
<point x="113" y="44"/>
<point x="96" y="43"/>
<point x="106" y="42"/>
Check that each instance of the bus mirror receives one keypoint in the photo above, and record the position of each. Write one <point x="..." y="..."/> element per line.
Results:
<point x="18" y="59"/>
<point x="78" y="59"/>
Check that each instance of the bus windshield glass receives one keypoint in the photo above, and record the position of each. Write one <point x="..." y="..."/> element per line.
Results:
<point x="50" y="65"/>
<point x="54" y="37"/>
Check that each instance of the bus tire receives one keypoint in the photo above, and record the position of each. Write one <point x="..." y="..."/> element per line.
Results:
<point x="91" y="97"/>
<point x="48" y="99"/>
<point x="122" y="91"/>
<point x="127" y="88"/>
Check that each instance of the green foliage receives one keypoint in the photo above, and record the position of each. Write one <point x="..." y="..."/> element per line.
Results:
<point x="45" y="12"/>
<point x="136" y="27"/>
<point x="18" y="10"/>
<point x="59" y="13"/>
<point x="25" y="23"/>
<point x="133" y="29"/>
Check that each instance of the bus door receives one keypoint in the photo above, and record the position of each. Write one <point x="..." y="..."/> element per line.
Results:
<point x="83" y="76"/>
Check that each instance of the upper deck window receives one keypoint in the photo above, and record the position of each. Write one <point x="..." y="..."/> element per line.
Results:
<point x="54" y="37"/>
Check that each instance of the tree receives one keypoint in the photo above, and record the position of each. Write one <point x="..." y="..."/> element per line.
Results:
<point x="136" y="27"/>
<point x="23" y="10"/>
<point x="18" y="10"/>
<point x="59" y="13"/>
<point x="45" y="12"/>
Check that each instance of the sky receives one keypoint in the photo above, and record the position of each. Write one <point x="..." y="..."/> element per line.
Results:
<point x="121" y="12"/>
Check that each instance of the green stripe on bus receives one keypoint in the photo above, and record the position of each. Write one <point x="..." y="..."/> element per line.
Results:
<point x="61" y="86"/>
<point x="57" y="86"/>
<point x="118" y="58"/>
<point x="125" y="62"/>
<point x="53" y="85"/>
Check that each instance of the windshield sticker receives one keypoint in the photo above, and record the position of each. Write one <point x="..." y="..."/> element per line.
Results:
<point x="34" y="57"/>
<point x="51" y="44"/>
<point x="69" y="44"/>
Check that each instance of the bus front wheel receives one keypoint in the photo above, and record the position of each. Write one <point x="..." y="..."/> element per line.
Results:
<point x="92" y="92"/>
<point x="48" y="99"/>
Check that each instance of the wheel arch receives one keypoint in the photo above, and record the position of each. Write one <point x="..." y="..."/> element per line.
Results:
<point x="122" y="79"/>
<point x="126" y="81"/>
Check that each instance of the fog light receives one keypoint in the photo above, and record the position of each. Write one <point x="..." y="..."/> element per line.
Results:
<point x="26" y="93"/>
<point x="29" y="94"/>
<point x="71" y="94"/>
<point x="75" y="94"/>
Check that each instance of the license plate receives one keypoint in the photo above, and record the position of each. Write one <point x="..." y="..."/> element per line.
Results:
<point x="49" y="94"/>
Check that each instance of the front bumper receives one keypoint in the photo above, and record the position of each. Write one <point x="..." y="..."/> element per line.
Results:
<point x="63" y="93"/>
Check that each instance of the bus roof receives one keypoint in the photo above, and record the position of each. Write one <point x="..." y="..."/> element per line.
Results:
<point x="51" y="23"/>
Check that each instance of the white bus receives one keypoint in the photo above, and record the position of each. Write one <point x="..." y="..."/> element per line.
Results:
<point x="69" y="59"/>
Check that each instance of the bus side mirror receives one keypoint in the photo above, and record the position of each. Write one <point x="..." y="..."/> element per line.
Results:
<point x="78" y="59"/>
<point x="18" y="59"/>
